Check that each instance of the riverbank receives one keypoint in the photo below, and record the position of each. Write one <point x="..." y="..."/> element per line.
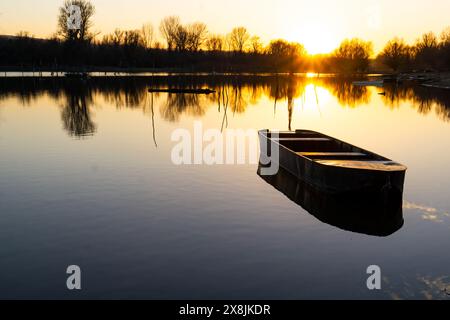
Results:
<point x="439" y="80"/>
<point x="114" y="72"/>
<point x="428" y="79"/>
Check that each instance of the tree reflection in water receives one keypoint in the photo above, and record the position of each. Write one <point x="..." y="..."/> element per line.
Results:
<point x="424" y="99"/>
<point x="76" y="115"/>
<point x="234" y="95"/>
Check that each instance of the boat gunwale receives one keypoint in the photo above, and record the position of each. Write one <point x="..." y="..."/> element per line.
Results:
<point x="265" y="131"/>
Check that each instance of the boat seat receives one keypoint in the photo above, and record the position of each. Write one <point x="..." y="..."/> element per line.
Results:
<point x="327" y="155"/>
<point x="365" y="165"/>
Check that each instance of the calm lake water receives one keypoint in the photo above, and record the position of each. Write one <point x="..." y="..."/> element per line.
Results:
<point x="87" y="179"/>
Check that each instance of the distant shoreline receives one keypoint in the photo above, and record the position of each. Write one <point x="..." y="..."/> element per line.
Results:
<point x="440" y="80"/>
<point x="175" y="71"/>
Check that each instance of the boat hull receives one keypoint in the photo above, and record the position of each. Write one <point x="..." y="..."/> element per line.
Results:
<point x="370" y="213"/>
<point x="334" y="179"/>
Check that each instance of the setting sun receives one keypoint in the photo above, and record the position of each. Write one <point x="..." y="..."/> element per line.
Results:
<point x="316" y="38"/>
<point x="319" y="44"/>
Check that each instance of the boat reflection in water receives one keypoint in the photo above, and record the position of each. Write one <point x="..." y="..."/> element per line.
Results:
<point x="370" y="213"/>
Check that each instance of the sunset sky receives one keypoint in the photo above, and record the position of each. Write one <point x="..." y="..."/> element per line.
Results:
<point x="320" y="24"/>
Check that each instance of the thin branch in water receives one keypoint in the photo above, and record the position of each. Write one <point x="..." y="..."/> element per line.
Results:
<point x="303" y="100"/>
<point x="153" y="123"/>
<point x="227" y="101"/>
<point x="225" y="114"/>
<point x="275" y="103"/>
<point x="315" y="92"/>
<point x="290" y="110"/>
<point x="235" y="100"/>
<point x="218" y="99"/>
<point x="317" y="101"/>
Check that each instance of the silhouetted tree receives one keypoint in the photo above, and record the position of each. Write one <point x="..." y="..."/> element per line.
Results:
<point x="115" y="38"/>
<point x="238" y="39"/>
<point x="87" y="11"/>
<point x="256" y="45"/>
<point x="24" y="35"/>
<point x="426" y="50"/>
<point x="147" y="35"/>
<point x="214" y="43"/>
<point x="169" y="28"/>
<point x="445" y="49"/>
<point x="395" y="54"/>
<point x="445" y="36"/>
<point x="427" y="41"/>
<point x="286" y="56"/>
<point x="133" y="38"/>
<point x="187" y="38"/>
<point x="353" y="55"/>
<point x="196" y="35"/>
<point x="181" y="38"/>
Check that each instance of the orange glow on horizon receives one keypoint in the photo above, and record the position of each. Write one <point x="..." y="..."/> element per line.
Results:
<point x="316" y="38"/>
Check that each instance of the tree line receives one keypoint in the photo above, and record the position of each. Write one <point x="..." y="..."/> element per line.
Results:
<point x="191" y="47"/>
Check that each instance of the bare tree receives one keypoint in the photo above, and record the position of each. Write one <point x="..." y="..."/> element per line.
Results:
<point x="286" y="55"/>
<point x="147" y="35"/>
<point x="353" y="55"/>
<point x="214" y="43"/>
<point x="87" y="11"/>
<point x="426" y="50"/>
<point x="116" y="38"/>
<point x="196" y="35"/>
<point x="24" y="35"/>
<point x="256" y="44"/>
<point x="181" y="38"/>
<point x="445" y="36"/>
<point x="169" y="29"/>
<point x="185" y="38"/>
<point x="445" y="48"/>
<point x="282" y="48"/>
<point x="239" y="38"/>
<point x="133" y="38"/>
<point x="395" y="53"/>
<point x="427" y="41"/>
<point x="157" y="45"/>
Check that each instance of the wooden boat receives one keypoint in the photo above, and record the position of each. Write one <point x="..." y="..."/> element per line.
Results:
<point x="191" y="91"/>
<point x="370" y="213"/>
<point x="332" y="165"/>
<point x="372" y="83"/>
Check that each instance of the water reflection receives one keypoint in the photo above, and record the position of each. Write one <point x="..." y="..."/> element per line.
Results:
<point x="149" y="107"/>
<point x="234" y="94"/>
<point x="178" y="104"/>
<point x="76" y="114"/>
<point x="423" y="287"/>
<point x="366" y="213"/>
<point x="152" y="210"/>
<point x="426" y="212"/>
<point x="424" y="99"/>
<point x="346" y="93"/>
